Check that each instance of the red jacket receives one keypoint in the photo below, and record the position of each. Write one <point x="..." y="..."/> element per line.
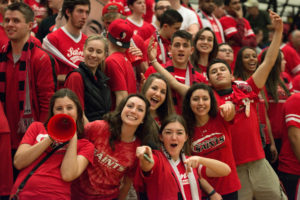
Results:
<point x="162" y="183"/>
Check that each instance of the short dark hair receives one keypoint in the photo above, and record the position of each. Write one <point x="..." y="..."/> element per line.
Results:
<point x="24" y="9"/>
<point x="170" y="17"/>
<point x="227" y="2"/>
<point x="177" y="118"/>
<point x="130" y="2"/>
<point x="182" y="34"/>
<point x="217" y="60"/>
<point x="187" y="112"/>
<point x="71" y="4"/>
<point x="71" y="95"/>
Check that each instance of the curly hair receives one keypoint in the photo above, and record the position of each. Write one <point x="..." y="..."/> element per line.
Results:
<point x="115" y="121"/>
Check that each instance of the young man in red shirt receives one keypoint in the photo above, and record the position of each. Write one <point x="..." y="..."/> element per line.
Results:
<point x="66" y="43"/>
<point x="179" y="66"/>
<point x="170" y="22"/>
<point x="117" y="66"/>
<point x="27" y="73"/>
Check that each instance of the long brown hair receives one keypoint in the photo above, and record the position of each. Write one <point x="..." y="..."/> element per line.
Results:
<point x="72" y="96"/>
<point x="115" y="121"/>
<point x="274" y="79"/>
<point x="196" y="54"/>
<point x="167" y="107"/>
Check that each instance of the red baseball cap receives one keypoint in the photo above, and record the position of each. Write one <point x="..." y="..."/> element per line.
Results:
<point x="120" y="33"/>
<point x="113" y="7"/>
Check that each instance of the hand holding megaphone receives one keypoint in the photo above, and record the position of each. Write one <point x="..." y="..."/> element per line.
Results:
<point x="61" y="127"/>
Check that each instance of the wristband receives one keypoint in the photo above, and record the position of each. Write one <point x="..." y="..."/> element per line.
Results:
<point x="153" y="61"/>
<point x="212" y="193"/>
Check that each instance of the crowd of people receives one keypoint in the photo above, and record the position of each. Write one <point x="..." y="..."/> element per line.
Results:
<point x="168" y="102"/>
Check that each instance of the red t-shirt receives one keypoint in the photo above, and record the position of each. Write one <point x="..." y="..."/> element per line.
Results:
<point x="75" y="83"/>
<point x="184" y="179"/>
<point x="102" y="180"/>
<point x="120" y="73"/>
<point x="246" y="141"/>
<point x="66" y="49"/>
<point x="3" y="39"/>
<point x="144" y="30"/>
<point x="213" y="140"/>
<point x="262" y="112"/>
<point x="6" y="169"/>
<point x="277" y="120"/>
<point x="229" y="25"/>
<point x="39" y="10"/>
<point x="46" y="182"/>
<point x="292" y="58"/>
<point x="296" y="83"/>
<point x="288" y="162"/>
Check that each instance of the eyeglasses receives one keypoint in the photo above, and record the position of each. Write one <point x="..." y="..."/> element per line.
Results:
<point x="226" y="50"/>
<point x="163" y="7"/>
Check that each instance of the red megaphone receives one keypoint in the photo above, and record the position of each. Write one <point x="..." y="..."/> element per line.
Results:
<point x="61" y="127"/>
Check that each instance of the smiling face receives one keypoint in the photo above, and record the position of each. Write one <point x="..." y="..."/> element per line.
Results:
<point x="205" y="42"/>
<point x="94" y="53"/>
<point x="15" y="25"/>
<point x="133" y="112"/>
<point x="249" y="57"/>
<point x="173" y="137"/>
<point x="156" y="93"/>
<point x="65" y="106"/>
<point x="200" y="103"/>
<point x="181" y="50"/>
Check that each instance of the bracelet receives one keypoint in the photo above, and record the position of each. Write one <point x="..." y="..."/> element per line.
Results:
<point x="212" y="193"/>
<point x="153" y="61"/>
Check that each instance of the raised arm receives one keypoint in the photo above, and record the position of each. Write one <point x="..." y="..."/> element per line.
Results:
<point x="261" y="74"/>
<point x="145" y="165"/>
<point x="72" y="165"/>
<point x="214" y="168"/>
<point x="152" y="52"/>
